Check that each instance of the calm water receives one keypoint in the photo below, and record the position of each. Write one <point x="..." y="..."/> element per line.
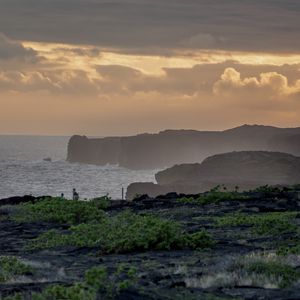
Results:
<point x="23" y="171"/>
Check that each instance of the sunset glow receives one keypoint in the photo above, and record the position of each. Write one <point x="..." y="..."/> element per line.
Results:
<point x="153" y="64"/>
<point x="120" y="68"/>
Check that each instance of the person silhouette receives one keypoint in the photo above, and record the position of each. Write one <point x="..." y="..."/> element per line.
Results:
<point x="75" y="195"/>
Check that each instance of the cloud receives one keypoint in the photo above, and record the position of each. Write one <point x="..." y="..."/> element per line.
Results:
<point x="114" y="72"/>
<point x="271" y="85"/>
<point x="201" y="41"/>
<point x="76" y="83"/>
<point x="155" y="26"/>
<point x="14" y="50"/>
<point x="80" y="51"/>
<point x="116" y="98"/>
<point x="258" y="84"/>
<point x="205" y="78"/>
<point x="125" y="80"/>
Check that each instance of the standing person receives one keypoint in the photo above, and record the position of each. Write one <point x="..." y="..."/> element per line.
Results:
<point x="75" y="195"/>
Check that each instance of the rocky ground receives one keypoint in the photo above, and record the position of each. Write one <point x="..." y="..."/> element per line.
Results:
<point x="254" y="255"/>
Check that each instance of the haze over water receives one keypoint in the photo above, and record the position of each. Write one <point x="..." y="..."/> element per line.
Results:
<point x="23" y="170"/>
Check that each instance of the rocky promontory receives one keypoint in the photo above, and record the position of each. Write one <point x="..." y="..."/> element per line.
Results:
<point x="244" y="170"/>
<point x="170" y="147"/>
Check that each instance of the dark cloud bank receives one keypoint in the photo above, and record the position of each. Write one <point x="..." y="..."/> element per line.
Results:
<point x="157" y="25"/>
<point x="10" y="50"/>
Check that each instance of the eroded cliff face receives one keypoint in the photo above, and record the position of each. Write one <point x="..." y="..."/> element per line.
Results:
<point x="261" y="167"/>
<point x="245" y="169"/>
<point x="170" y="147"/>
<point x="94" y="151"/>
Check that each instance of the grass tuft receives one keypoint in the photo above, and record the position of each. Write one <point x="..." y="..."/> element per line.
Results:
<point x="285" y="274"/>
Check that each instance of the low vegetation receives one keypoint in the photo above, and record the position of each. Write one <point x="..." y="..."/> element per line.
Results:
<point x="284" y="274"/>
<point x="267" y="189"/>
<point x="220" y="194"/>
<point x="289" y="246"/>
<point x="97" y="280"/>
<point x="215" y="195"/>
<point x="166" y="226"/>
<point x="260" y="270"/>
<point x="262" y="224"/>
<point x="63" y="211"/>
<point x="11" y="267"/>
<point x="126" y="232"/>
<point x="268" y="269"/>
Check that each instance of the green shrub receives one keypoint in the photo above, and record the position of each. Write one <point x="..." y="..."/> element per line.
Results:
<point x="97" y="277"/>
<point x="122" y="279"/>
<point x="273" y="227"/>
<point x="16" y="296"/>
<point x="286" y="250"/>
<point x="123" y="233"/>
<point x="199" y="240"/>
<point x="289" y="246"/>
<point x="262" y="224"/>
<point x="61" y="211"/>
<point x="285" y="274"/>
<point x="97" y="280"/>
<point x="277" y="189"/>
<point x="11" y="267"/>
<point x="268" y="189"/>
<point x="77" y="291"/>
<point x="101" y="202"/>
<point x="215" y="195"/>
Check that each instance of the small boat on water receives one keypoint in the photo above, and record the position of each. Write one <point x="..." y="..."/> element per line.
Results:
<point x="48" y="159"/>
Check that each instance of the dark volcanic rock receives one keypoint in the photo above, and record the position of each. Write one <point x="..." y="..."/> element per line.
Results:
<point x="136" y="189"/>
<point x="170" y="147"/>
<point x="163" y="275"/>
<point x="18" y="200"/>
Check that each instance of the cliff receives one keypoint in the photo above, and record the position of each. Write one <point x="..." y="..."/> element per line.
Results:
<point x="157" y="151"/>
<point x="245" y="169"/>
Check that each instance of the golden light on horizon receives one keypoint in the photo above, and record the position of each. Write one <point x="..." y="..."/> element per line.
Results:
<point x="152" y="64"/>
<point x="74" y="88"/>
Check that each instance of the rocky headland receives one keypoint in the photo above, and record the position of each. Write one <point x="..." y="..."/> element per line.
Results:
<point x="170" y="147"/>
<point x="242" y="170"/>
<point x="216" y="245"/>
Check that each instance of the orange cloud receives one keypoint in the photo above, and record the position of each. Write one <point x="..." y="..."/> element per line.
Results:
<point x="270" y="85"/>
<point x="78" y="89"/>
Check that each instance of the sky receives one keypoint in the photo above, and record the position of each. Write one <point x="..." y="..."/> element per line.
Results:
<point x="122" y="67"/>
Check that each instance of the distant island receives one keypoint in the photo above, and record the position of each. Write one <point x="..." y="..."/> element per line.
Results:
<point x="170" y="147"/>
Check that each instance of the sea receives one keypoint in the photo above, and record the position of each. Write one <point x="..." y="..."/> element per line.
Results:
<point x="23" y="171"/>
